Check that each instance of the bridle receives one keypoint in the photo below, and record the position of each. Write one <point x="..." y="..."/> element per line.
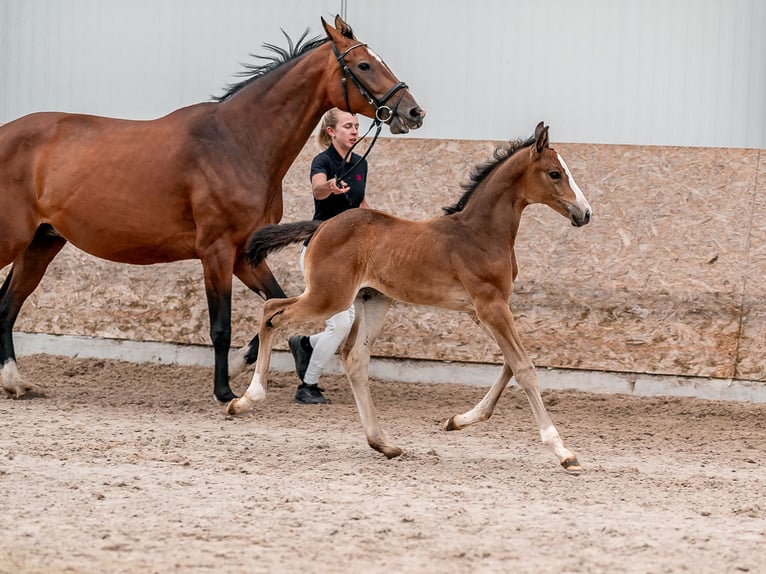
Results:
<point x="383" y="113"/>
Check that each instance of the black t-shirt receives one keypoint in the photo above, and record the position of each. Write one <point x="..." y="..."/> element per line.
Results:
<point x="328" y="163"/>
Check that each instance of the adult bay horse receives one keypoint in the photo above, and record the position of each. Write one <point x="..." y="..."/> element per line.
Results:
<point x="462" y="261"/>
<point x="191" y="185"/>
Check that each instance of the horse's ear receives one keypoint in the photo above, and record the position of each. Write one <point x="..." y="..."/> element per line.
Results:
<point x="344" y="28"/>
<point x="340" y="28"/>
<point x="329" y="30"/>
<point x="541" y="137"/>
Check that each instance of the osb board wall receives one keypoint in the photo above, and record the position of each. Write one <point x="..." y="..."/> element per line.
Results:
<point x="668" y="278"/>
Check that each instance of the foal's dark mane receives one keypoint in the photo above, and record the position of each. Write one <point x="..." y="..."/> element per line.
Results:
<point x="481" y="171"/>
<point x="281" y="55"/>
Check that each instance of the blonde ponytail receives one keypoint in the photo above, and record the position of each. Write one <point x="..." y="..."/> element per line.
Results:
<point x="329" y="120"/>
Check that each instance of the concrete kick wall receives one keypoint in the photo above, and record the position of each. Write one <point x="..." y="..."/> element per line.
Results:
<point x="667" y="279"/>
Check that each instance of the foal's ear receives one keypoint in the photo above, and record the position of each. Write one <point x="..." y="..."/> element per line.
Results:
<point x="541" y="137"/>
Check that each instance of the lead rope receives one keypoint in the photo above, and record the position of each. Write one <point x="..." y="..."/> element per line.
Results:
<point x="341" y="173"/>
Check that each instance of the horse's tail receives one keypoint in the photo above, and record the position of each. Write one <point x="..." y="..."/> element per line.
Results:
<point x="275" y="236"/>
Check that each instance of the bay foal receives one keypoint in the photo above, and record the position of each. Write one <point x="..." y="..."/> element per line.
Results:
<point x="462" y="261"/>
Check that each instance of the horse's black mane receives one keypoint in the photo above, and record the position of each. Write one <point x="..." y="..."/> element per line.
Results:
<point x="480" y="172"/>
<point x="282" y="55"/>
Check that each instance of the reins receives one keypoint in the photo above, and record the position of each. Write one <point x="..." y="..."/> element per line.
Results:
<point x="341" y="173"/>
<point x="383" y="113"/>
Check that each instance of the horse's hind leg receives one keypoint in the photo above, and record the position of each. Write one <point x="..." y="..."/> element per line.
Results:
<point x="25" y="275"/>
<point x="371" y="308"/>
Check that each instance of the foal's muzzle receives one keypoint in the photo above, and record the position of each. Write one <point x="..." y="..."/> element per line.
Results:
<point x="579" y="216"/>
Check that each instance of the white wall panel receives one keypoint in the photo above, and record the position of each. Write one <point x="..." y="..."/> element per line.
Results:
<point x="137" y="59"/>
<point x="664" y="72"/>
<point x="661" y="72"/>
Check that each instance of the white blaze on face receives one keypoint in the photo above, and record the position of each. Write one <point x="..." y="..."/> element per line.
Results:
<point x="375" y="56"/>
<point x="580" y="200"/>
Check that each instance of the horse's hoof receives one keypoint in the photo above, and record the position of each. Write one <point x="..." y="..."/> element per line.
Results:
<point x="225" y="398"/>
<point x="24" y="390"/>
<point x="450" y="425"/>
<point x="571" y="465"/>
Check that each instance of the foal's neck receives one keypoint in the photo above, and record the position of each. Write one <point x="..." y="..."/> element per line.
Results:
<point x="496" y="206"/>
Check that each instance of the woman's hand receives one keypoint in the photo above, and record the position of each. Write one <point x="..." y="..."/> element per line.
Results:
<point x="337" y="187"/>
<point x="323" y="188"/>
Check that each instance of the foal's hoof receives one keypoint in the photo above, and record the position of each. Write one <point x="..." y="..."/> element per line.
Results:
<point x="388" y="451"/>
<point x="234" y="408"/>
<point x="571" y="465"/>
<point x="449" y="424"/>
<point x="392" y="451"/>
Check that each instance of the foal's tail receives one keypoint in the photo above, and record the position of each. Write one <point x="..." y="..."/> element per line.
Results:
<point x="275" y="236"/>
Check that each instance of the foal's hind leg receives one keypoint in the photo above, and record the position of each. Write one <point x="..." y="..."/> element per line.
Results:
<point x="371" y="308"/>
<point x="262" y="281"/>
<point x="274" y="318"/>
<point x="25" y="275"/>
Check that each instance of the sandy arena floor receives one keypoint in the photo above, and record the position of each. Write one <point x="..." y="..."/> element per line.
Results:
<point x="133" y="468"/>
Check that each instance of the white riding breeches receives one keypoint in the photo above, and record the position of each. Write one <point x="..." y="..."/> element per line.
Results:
<point x="326" y="343"/>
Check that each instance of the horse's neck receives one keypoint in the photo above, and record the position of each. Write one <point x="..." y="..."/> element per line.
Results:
<point x="276" y="113"/>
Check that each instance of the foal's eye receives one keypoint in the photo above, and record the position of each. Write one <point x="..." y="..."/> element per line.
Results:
<point x="364" y="66"/>
<point x="554" y="174"/>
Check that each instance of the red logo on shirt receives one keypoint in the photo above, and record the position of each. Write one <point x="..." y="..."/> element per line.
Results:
<point x="358" y="177"/>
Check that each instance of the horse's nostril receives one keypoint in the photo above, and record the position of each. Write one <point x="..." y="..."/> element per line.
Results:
<point x="417" y="112"/>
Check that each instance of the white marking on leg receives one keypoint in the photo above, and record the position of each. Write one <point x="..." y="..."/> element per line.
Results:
<point x="10" y="375"/>
<point x="551" y="438"/>
<point x="255" y="392"/>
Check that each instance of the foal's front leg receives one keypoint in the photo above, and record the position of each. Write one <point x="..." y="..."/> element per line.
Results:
<point x="497" y="316"/>
<point x="485" y="408"/>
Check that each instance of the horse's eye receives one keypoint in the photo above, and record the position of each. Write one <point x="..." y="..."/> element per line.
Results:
<point x="554" y="174"/>
<point x="364" y="66"/>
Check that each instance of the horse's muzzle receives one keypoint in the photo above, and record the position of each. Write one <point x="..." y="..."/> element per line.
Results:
<point x="412" y="119"/>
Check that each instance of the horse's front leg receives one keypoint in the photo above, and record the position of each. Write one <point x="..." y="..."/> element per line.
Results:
<point x="22" y="279"/>
<point x="218" y="278"/>
<point x="371" y="308"/>
<point x="261" y="280"/>
<point x="497" y="316"/>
